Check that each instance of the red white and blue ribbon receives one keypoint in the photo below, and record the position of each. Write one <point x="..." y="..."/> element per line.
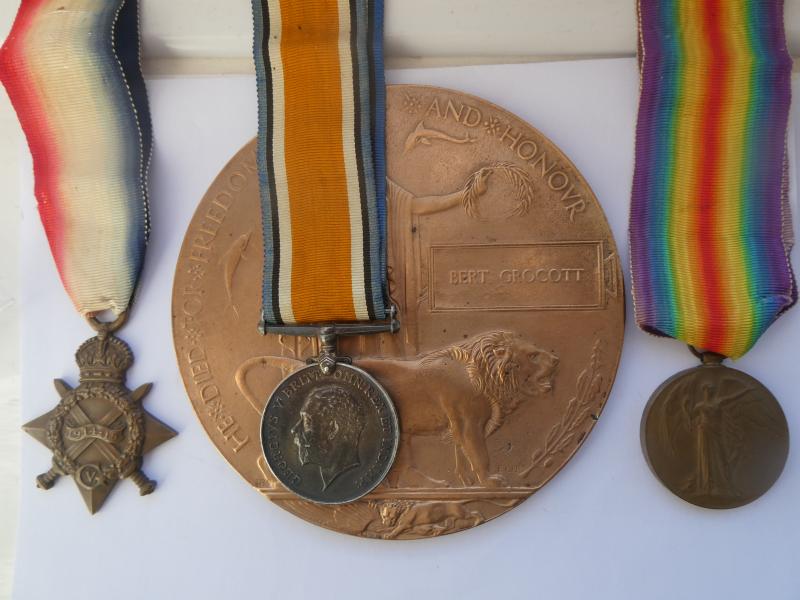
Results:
<point x="72" y="70"/>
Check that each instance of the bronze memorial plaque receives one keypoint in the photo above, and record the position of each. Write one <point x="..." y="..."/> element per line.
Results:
<point x="509" y="291"/>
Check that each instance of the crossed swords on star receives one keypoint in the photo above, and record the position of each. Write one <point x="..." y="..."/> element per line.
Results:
<point x="107" y="449"/>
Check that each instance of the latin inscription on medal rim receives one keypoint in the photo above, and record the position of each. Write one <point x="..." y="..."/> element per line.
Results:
<point x="510" y="299"/>
<point x="329" y="438"/>
<point x="715" y="436"/>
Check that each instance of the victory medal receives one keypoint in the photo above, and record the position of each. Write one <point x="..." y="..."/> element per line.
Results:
<point x="710" y="236"/>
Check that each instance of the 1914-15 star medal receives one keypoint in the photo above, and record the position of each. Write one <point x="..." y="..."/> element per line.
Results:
<point x="99" y="431"/>
<point x="89" y="104"/>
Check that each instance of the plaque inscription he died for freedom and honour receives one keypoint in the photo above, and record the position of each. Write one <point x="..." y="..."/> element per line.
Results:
<point x="509" y="291"/>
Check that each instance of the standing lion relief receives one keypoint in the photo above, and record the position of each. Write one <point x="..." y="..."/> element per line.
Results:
<point x="463" y="393"/>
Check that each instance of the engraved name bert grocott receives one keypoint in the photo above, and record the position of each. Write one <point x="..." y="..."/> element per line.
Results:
<point x="528" y="275"/>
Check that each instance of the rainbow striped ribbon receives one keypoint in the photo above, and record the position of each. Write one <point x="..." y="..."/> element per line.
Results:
<point x="71" y="68"/>
<point x="319" y="66"/>
<point x="710" y="230"/>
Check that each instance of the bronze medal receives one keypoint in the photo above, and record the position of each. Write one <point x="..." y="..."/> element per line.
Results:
<point x="715" y="436"/>
<point x="99" y="432"/>
<point x="511" y="308"/>
<point x="88" y="126"/>
<point x="710" y="240"/>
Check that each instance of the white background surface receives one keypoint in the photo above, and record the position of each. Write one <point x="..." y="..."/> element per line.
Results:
<point x="603" y="528"/>
<point x="213" y="36"/>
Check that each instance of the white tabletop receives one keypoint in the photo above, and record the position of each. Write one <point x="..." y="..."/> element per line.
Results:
<point x="603" y="528"/>
<point x="213" y="36"/>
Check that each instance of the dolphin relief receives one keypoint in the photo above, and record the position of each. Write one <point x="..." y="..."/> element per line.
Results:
<point x="230" y="260"/>
<point x="425" y="137"/>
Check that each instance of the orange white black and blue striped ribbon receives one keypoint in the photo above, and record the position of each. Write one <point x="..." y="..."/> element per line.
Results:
<point x="71" y="69"/>
<point x="319" y="67"/>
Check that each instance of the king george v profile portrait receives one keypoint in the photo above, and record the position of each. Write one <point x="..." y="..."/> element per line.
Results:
<point x="328" y="431"/>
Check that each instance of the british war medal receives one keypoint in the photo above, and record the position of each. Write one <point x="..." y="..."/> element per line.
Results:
<point x="321" y="165"/>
